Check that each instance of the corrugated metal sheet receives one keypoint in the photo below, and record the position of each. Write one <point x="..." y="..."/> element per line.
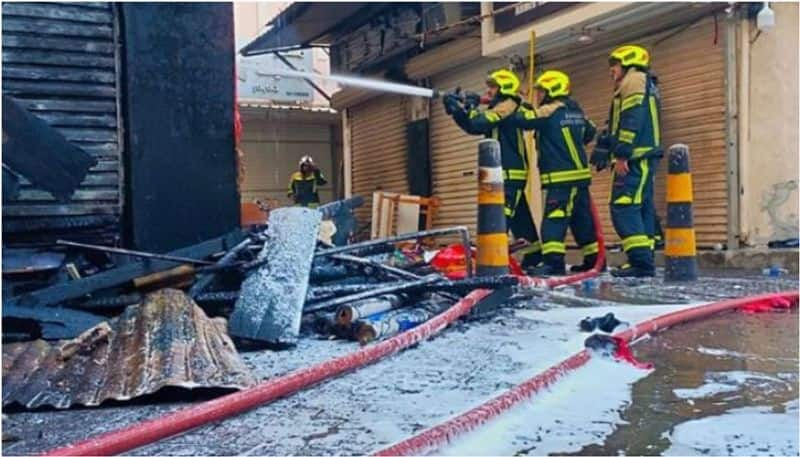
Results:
<point x="60" y="62"/>
<point x="379" y="149"/>
<point x="691" y="71"/>
<point x="165" y="341"/>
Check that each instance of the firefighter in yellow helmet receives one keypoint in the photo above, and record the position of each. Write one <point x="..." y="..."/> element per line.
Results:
<point x="497" y="122"/>
<point x="632" y="142"/>
<point x="303" y="183"/>
<point x="562" y="130"/>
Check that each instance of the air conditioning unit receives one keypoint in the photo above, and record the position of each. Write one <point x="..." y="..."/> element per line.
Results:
<point x="437" y="15"/>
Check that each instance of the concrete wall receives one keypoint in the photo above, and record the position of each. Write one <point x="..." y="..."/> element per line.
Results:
<point x="769" y="202"/>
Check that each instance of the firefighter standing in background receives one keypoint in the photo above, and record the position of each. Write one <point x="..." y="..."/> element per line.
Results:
<point x="303" y="184"/>
<point x="633" y="142"/>
<point x="562" y="130"/>
<point x="497" y="122"/>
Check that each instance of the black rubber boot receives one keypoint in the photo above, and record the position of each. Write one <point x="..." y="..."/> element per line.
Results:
<point x="547" y="270"/>
<point x="588" y="264"/>
<point x="628" y="271"/>
<point x="531" y="260"/>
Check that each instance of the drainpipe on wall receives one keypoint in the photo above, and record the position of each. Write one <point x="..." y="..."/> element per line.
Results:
<point x="732" y="131"/>
<point x="487" y="25"/>
<point x="744" y="127"/>
<point x="347" y="157"/>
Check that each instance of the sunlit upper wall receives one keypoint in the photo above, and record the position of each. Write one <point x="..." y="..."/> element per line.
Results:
<point x="250" y="19"/>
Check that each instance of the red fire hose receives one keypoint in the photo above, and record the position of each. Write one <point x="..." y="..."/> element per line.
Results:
<point x="150" y="431"/>
<point x="439" y="435"/>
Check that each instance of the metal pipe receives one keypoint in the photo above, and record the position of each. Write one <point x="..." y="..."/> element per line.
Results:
<point x="146" y="255"/>
<point x="317" y="293"/>
<point x="333" y="303"/>
<point x="204" y="280"/>
<point x="375" y="264"/>
<point x="463" y="231"/>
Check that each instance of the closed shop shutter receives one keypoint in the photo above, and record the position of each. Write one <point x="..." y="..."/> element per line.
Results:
<point x="60" y="62"/>
<point x="378" y="148"/>
<point x="691" y="71"/>
<point x="454" y="154"/>
<point x="272" y="152"/>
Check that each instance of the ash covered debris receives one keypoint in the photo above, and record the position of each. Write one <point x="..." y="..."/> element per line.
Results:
<point x="166" y="341"/>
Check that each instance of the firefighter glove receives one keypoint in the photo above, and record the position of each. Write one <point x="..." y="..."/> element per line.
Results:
<point x="450" y="101"/>
<point x="601" y="153"/>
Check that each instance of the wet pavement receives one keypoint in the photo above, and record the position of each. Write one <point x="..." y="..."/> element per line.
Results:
<point x="467" y="364"/>
<point x="707" y="369"/>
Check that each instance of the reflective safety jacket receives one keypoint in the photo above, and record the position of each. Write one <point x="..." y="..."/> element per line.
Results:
<point x="497" y="122"/>
<point x="304" y="188"/>
<point x="635" y="117"/>
<point x="562" y="130"/>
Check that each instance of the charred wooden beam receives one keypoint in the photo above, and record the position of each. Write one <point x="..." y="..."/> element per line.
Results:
<point x="111" y="278"/>
<point x="40" y="153"/>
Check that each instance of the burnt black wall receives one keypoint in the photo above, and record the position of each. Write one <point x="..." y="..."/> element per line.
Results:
<point x="178" y="85"/>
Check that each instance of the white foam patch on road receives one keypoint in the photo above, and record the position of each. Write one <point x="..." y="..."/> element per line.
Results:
<point x="742" y="431"/>
<point x="579" y="410"/>
<point x="573" y="413"/>
<point x="727" y="381"/>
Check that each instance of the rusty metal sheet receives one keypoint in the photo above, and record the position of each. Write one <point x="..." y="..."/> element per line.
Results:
<point x="166" y="341"/>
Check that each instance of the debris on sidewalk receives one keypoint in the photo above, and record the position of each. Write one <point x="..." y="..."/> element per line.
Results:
<point x="270" y="306"/>
<point x="166" y="341"/>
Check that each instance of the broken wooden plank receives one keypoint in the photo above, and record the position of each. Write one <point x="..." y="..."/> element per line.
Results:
<point x="270" y="305"/>
<point x="40" y="153"/>
<point x="117" y="276"/>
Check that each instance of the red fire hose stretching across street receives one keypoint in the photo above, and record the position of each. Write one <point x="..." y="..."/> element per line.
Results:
<point x="439" y="435"/>
<point x="152" y="430"/>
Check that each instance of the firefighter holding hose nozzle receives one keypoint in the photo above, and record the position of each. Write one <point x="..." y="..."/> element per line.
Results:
<point x="497" y="121"/>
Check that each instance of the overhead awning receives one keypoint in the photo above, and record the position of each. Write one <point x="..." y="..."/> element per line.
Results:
<point x="307" y="24"/>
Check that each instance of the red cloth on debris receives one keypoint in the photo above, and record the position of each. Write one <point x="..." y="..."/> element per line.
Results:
<point x="767" y="305"/>
<point x="624" y="353"/>
<point x="451" y="262"/>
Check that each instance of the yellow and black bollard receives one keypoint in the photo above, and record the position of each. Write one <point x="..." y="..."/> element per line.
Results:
<point x="492" y="258"/>
<point x="680" y="252"/>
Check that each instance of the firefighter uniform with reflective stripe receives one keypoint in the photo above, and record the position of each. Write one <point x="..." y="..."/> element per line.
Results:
<point x="562" y="130"/>
<point x="634" y="123"/>
<point x="303" y="188"/>
<point x="497" y="122"/>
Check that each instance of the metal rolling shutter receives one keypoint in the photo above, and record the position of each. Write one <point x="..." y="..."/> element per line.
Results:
<point x="378" y="148"/>
<point x="691" y="71"/>
<point x="60" y="61"/>
<point x="454" y="154"/>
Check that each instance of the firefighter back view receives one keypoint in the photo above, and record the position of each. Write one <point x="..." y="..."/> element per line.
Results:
<point x="303" y="183"/>
<point x="562" y="130"/>
<point x="633" y="142"/>
<point x="497" y="122"/>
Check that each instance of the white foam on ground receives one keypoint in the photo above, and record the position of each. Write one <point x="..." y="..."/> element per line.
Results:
<point x="742" y="431"/>
<point x="726" y="381"/>
<point x="576" y="412"/>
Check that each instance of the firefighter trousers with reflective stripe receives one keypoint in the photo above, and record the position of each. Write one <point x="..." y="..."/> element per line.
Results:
<point x="652" y="226"/>
<point x="567" y="207"/>
<point x="520" y="221"/>
<point x="633" y="211"/>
